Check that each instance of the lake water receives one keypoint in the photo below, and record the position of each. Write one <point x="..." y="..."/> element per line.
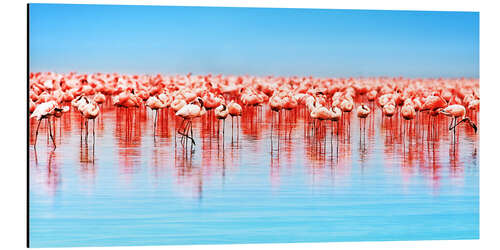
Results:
<point x="126" y="188"/>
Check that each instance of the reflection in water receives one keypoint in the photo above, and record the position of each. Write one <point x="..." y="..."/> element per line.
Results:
<point x="286" y="160"/>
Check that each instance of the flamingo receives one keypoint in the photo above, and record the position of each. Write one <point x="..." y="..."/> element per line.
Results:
<point x="221" y="113"/>
<point x="408" y="113"/>
<point x="234" y="109"/>
<point x="347" y="105"/>
<point x="336" y="115"/>
<point x="89" y="110"/>
<point x="321" y="113"/>
<point x="362" y="112"/>
<point x="154" y="103"/>
<point x="276" y="104"/>
<point x="434" y="103"/>
<point x="457" y="111"/>
<point x="99" y="98"/>
<point x="321" y="98"/>
<point x="187" y="113"/>
<point x="372" y="95"/>
<point x="44" y="111"/>
<point x="389" y="109"/>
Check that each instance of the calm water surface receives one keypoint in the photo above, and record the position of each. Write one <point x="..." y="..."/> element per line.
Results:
<point x="129" y="189"/>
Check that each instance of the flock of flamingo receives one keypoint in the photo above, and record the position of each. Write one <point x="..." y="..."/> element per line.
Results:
<point x="419" y="102"/>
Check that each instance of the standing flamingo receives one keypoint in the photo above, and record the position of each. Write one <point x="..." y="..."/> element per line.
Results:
<point x="90" y="110"/>
<point x="44" y="111"/>
<point x="234" y="109"/>
<point x="362" y="112"/>
<point x="221" y="113"/>
<point x="457" y="111"/>
<point x="433" y="103"/>
<point x="347" y="105"/>
<point x="336" y="115"/>
<point x="408" y="113"/>
<point x="188" y="112"/>
<point x="276" y="104"/>
<point x="155" y="103"/>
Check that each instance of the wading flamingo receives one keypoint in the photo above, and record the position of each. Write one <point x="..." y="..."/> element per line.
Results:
<point x="362" y="112"/>
<point x="221" y="113"/>
<point x="44" y="111"/>
<point x="276" y="105"/>
<point x="90" y="110"/>
<point x="155" y="103"/>
<point x="457" y="111"/>
<point x="187" y="113"/>
<point x="234" y="110"/>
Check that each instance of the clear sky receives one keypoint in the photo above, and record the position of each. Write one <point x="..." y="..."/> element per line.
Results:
<point x="162" y="39"/>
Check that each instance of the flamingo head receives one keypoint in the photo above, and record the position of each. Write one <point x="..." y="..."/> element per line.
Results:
<point x="200" y="101"/>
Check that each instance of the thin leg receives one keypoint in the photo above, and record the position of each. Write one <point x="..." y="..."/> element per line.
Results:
<point x="182" y="125"/>
<point x="183" y="128"/>
<point x="87" y="130"/>
<point x="155" y="121"/>
<point x="47" y="133"/>
<point x="456" y="124"/>
<point x="191" y="128"/>
<point x="360" y="123"/>
<point x="331" y="133"/>
<point x="272" y="120"/>
<point x="450" y="127"/>
<point x="36" y="133"/>
<point x="51" y="136"/>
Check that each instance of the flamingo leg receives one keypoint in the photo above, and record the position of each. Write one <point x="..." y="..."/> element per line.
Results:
<point x="218" y="129"/>
<point x="182" y="127"/>
<point x="51" y="136"/>
<point x="47" y="133"/>
<point x="360" y="125"/>
<point x="279" y="126"/>
<point x="183" y="133"/>
<point x="155" y="121"/>
<point x="454" y="122"/>
<point x="223" y="130"/>
<point x="36" y="133"/>
<point x="272" y="120"/>
<point x="188" y="129"/>
<point x="450" y="127"/>
<point x="191" y="128"/>
<point x="331" y="133"/>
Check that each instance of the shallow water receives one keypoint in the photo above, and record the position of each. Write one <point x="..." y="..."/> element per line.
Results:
<point x="126" y="188"/>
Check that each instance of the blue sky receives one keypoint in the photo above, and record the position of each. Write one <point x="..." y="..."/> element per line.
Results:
<point x="162" y="39"/>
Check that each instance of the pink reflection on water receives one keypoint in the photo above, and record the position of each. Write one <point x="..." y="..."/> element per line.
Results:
<point x="422" y="147"/>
